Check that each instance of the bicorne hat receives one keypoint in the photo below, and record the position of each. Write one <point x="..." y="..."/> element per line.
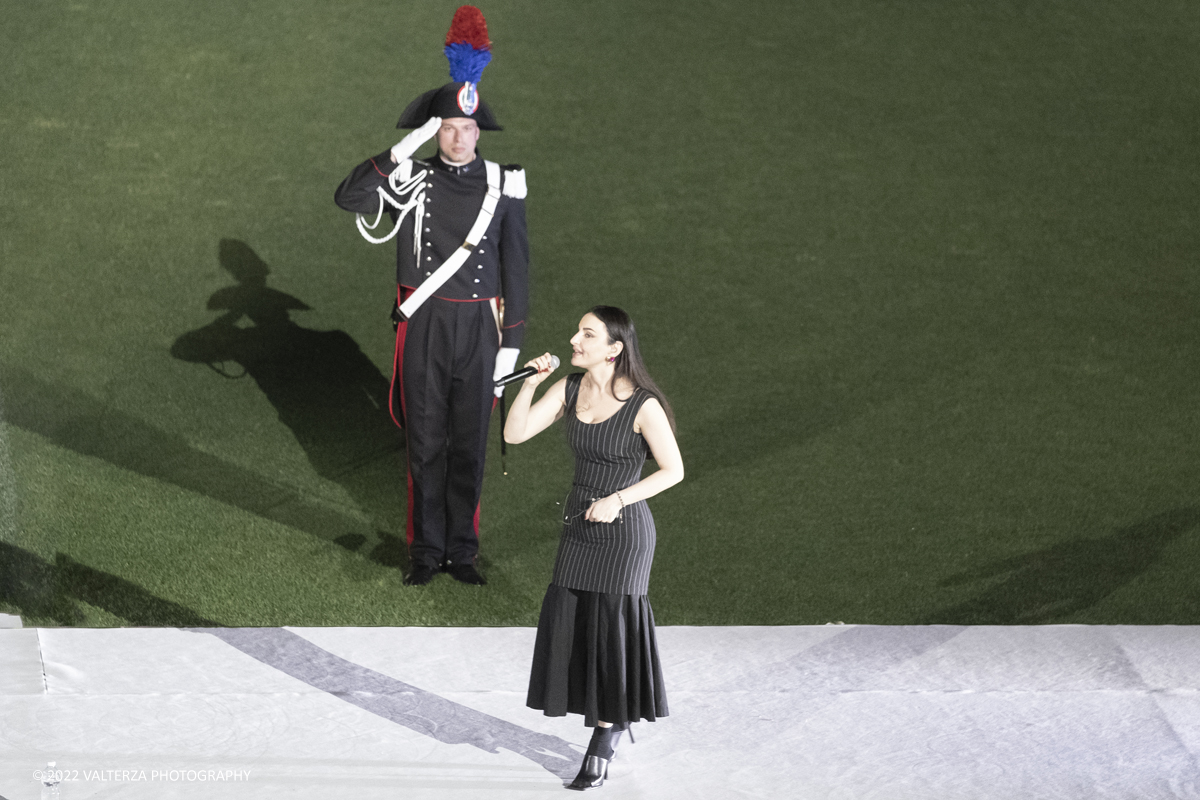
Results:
<point x="469" y="51"/>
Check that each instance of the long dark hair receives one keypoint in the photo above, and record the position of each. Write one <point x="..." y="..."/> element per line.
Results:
<point x="629" y="364"/>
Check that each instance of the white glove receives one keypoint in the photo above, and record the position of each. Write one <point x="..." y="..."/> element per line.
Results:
<point x="506" y="364"/>
<point x="411" y="143"/>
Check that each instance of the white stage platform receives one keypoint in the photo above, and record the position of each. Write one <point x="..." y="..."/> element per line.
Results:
<point x="895" y="713"/>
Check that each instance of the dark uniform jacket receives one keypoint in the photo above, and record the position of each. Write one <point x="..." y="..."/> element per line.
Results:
<point x="499" y="267"/>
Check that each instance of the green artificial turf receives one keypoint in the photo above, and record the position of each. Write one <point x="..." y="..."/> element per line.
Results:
<point x="918" y="278"/>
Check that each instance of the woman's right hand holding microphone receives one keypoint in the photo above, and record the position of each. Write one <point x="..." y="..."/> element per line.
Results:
<point x="544" y="367"/>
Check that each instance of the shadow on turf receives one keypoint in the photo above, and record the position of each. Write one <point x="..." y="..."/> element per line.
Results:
<point x="43" y="591"/>
<point x="327" y="392"/>
<point x="1054" y="584"/>
<point x="81" y="423"/>
<point x="324" y="388"/>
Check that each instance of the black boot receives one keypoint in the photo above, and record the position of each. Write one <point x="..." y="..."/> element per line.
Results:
<point x="595" y="764"/>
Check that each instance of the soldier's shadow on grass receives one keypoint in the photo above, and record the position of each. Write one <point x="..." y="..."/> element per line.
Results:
<point x="1051" y="585"/>
<point x="324" y="388"/>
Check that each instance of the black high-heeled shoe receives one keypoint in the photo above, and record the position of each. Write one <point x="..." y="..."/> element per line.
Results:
<point x="614" y="738"/>
<point x="595" y="761"/>
<point x="591" y="774"/>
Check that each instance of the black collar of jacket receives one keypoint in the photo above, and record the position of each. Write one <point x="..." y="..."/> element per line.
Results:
<point x="466" y="169"/>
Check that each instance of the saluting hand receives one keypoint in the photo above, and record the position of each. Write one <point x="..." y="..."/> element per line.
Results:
<point x="413" y="141"/>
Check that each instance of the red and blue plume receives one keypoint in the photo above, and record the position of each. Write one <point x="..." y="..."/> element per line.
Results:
<point x="467" y="45"/>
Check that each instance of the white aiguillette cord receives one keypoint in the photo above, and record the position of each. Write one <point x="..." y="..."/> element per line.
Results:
<point x="456" y="260"/>
<point x="402" y="182"/>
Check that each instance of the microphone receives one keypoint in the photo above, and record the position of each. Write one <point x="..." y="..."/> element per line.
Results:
<point x="524" y="373"/>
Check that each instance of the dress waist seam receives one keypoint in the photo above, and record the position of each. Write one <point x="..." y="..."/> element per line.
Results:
<point x="610" y="490"/>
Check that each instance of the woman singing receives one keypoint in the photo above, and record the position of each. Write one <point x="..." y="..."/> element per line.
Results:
<point x="596" y="653"/>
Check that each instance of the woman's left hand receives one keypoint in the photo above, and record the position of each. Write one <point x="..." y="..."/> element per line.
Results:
<point x="606" y="509"/>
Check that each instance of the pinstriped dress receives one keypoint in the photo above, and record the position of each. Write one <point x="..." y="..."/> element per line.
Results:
<point x="596" y="652"/>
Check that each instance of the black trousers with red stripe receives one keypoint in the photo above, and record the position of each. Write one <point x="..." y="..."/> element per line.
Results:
<point x="446" y="355"/>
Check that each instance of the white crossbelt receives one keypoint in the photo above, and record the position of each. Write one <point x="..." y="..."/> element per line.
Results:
<point x="456" y="260"/>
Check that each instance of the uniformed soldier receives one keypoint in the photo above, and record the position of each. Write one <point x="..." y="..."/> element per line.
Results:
<point x="462" y="258"/>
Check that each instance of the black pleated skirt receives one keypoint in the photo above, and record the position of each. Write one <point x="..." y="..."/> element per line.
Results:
<point x="596" y="655"/>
